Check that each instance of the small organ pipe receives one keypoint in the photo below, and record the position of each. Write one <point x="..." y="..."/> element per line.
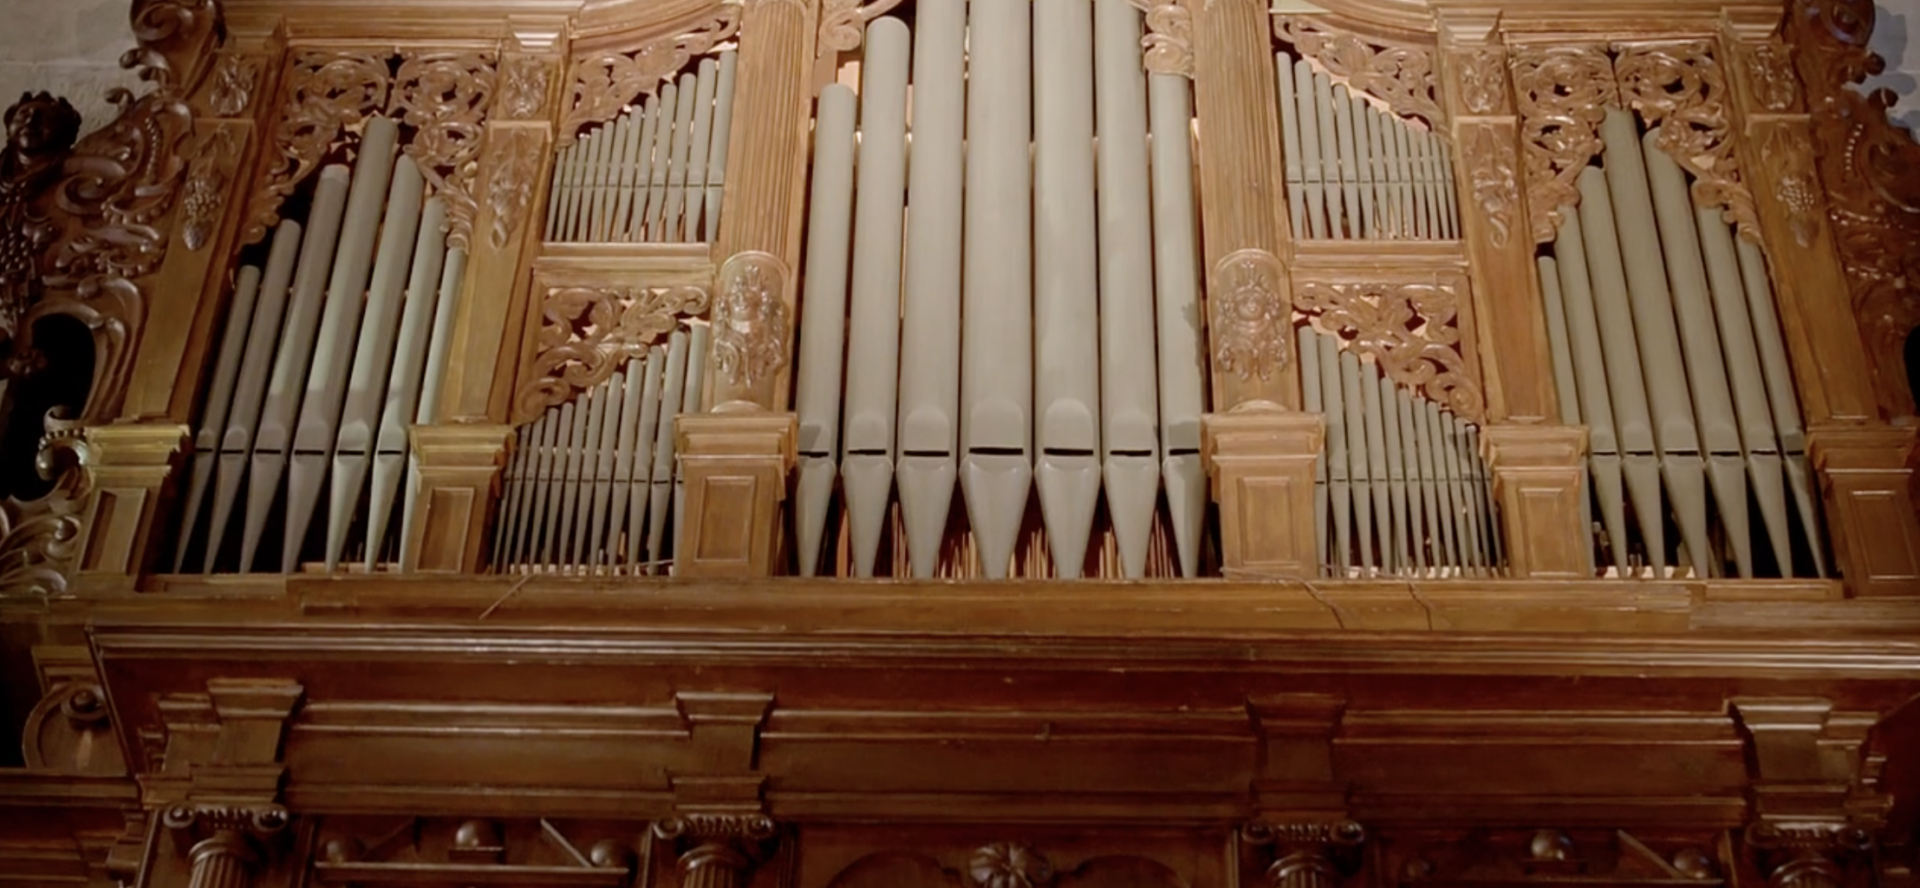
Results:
<point x="513" y="502"/>
<point x="1394" y="457"/>
<point x="1290" y="144"/>
<point x="213" y="422"/>
<point x="705" y="80"/>
<point x="1363" y="165"/>
<point x="1706" y="366"/>
<point x="1312" y="400"/>
<point x="1780" y="392"/>
<point x="432" y="382"/>
<point x="1129" y="416"/>
<point x="646" y="440"/>
<point x="1311" y="168"/>
<point x="627" y="445"/>
<point x="1378" y="478"/>
<point x="1339" y="468"/>
<point x="692" y="391"/>
<point x="585" y="412"/>
<point x="1329" y="154"/>
<point x="928" y="420"/>
<point x="553" y="480"/>
<point x="400" y="240"/>
<point x="1557" y="340"/>
<point x="1353" y="401"/>
<point x="660" y="499"/>
<point x="1591" y="376"/>
<point x="657" y="174"/>
<point x="1349" y="171"/>
<point x="263" y="336"/>
<point x="823" y="313"/>
<point x="561" y="166"/>
<point x="717" y="155"/>
<point x="674" y="226"/>
<point x="409" y="369"/>
<point x="997" y="319"/>
<point x="271" y="441"/>
<point x="605" y="454"/>
<point x="1177" y="310"/>
<point x="873" y="358"/>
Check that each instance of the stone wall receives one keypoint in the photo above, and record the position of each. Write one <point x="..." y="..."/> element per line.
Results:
<point x="67" y="47"/>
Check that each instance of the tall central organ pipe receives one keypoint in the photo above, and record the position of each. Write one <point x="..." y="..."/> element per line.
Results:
<point x="996" y="376"/>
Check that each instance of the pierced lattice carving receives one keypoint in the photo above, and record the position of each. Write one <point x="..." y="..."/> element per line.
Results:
<point x="327" y="92"/>
<point x="587" y="333"/>
<point x="1562" y="94"/>
<point x="1679" y="86"/>
<point x="1401" y="74"/>
<point x="1412" y="328"/>
<point x="605" y="82"/>
<point x="444" y="97"/>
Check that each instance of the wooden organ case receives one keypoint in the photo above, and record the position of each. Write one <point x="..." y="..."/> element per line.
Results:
<point x="964" y="443"/>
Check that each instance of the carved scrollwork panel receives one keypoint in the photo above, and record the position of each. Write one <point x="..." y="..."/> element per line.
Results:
<point x="1412" y="328"/>
<point x="515" y="165"/>
<point x="40" y="539"/>
<point x="1252" y="336"/>
<point x="1493" y="181"/>
<point x="588" y="332"/>
<point x="175" y="41"/>
<point x="1681" y="87"/>
<point x="605" y="82"/>
<point x="1401" y="74"/>
<point x="444" y="97"/>
<point x="750" y="324"/>
<point x="1865" y="165"/>
<point x="1562" y="93"/>
<point x="326" y="92"/>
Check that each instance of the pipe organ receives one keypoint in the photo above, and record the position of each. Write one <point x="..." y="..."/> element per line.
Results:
<point x="834" y="443"/>
<point x="984" y="289"/>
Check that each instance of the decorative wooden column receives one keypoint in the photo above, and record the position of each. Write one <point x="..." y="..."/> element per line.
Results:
<point x="1259" y="452"/>
<point x="736" y="459"/>
<point x="218" y="781"/>
<point x="457" y="460"/>
<point x="130" y="467"/>
<point x="1863" y="463"/>
<point x="225" y="844"/>
<point x="1813" y="826"/>
<point x="1537" y="464"/>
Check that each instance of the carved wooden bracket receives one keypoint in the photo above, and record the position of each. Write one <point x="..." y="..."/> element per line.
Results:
<point x="1412" y="327"/>
<point x="605" y="81"/>
<point x="588" y="332"/>
<point x="1400" y="73"/>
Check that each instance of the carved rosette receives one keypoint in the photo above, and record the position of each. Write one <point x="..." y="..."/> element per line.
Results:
<point x="1252" y="327"/>
<point x="605" y="82"/>
<point x="1562" y="93"/>
<point x="444" y="96"/>
<point x="515" y="165"/>
<point x="1009" y="865"/>
<point x="1411" y="328"/>
<point x="1865" y="166"/>
<point x="1402" y="74"/>
<point x="1494" y="183"/>
<point x="587" y="333"/>
<point x="750" y="324"/>
<point x="1169" y="38"/>
<point x="326" y="92"/>
<point x="1680" y="86"/>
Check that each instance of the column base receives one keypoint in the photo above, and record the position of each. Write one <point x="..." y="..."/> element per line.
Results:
<point x="1261" y="463"/>
<point x="1866" y="481"/>
<point x="456" y="475"/>
<point x="1538" y="480"/>
<point x="736" y="467"/>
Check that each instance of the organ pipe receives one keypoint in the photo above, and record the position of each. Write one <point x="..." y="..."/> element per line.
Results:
<point x="823" y="308"/>
<point x="1177" y="314"/>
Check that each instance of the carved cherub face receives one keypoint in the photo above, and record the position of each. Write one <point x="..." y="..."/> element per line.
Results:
<point x="40" y="125"/>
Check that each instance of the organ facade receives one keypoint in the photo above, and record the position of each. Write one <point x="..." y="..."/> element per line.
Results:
<point x="964" y="443"/>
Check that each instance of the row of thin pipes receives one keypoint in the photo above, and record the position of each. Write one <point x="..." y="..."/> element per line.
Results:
<point x="1355" y="172"/>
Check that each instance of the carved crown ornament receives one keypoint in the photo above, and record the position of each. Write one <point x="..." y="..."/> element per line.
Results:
<point x="1865" y="168"/>
<point x="441" y="99"/>
<point x="1562" y="93"/>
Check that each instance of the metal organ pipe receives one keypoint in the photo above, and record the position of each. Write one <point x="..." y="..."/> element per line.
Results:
<point x="654" y="173"/>
<point x="226" y="373"/>
<point x="409" y="369"/>
<point x="1683" y="331"/>
<point x="1177" y="313"/>
<point x="822" y="308"/>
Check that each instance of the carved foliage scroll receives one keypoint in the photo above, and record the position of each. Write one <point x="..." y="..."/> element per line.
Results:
<point x="1169" y="38"/>
<point x="1411" y="328"/>
<point x="750" y="324"/>
<point x="1401" y="74"/>
<point x="1866" y="165"/>
<point x="1680" y="86"/>
<point x="1493" y="179"/>
<point x="443" y="97"/>
<point x="40" y="539"/>
<point x="587" y="333"/>
<point x="510" y="188"/>
<point x="326" y="92"/>
<point x="1252" y="336"/>
<point x="843" y="23"/>
<point x="1562" y="94"/>
<point x="605" y="82"/>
